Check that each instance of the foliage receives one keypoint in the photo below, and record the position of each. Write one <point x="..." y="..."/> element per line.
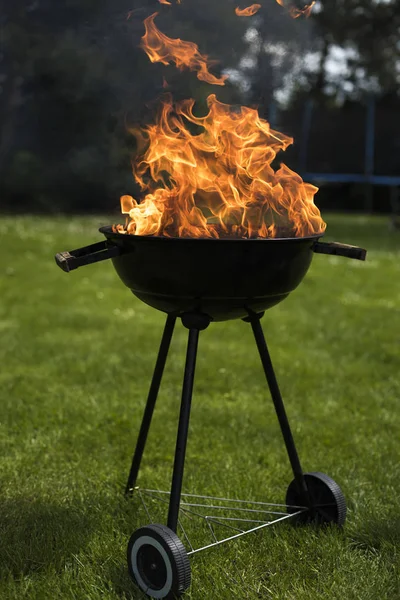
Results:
<point x="371" y="30"/>
<point x="72" y="76"/>
<point x="345" y="50"/>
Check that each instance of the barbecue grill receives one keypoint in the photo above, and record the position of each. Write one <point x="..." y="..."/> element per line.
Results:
<point x="201" y="280"/>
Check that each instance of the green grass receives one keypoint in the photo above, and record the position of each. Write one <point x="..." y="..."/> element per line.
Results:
<point x="77" y="353"/>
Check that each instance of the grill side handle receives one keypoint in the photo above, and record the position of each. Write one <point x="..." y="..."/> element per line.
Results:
<point x="338" y="249"/>
<point x="68" y="261"/>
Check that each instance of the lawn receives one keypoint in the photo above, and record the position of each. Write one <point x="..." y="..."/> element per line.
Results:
<point x="77" y="353"/>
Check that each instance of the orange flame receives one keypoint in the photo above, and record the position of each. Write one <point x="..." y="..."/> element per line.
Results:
<point x="219" y="182"/>
<point x="164" y="2"/>
<point x="298" y="12"/>
<point x="160" y="48"/>
<point x="249" y="11"/>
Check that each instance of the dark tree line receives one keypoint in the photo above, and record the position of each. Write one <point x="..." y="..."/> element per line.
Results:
<point x="72" y="76"/>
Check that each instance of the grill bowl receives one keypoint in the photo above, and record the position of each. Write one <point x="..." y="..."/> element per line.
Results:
<point x="223" y="278"/>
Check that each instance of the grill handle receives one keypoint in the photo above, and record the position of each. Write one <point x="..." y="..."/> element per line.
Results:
<point x="68" y="261"/>
<point x="338" y="249"/>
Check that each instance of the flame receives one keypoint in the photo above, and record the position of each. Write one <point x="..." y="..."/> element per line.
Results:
<point x="164" y="2"/>
<point x="217" y="182"/>
<point x="212" y="176"/>
<point x="298" y="12"/>
<point x="160" y="48"/>
<point x="249" y="11"/>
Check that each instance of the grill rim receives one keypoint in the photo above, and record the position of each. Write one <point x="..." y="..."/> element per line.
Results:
<point x="108" y="230"/>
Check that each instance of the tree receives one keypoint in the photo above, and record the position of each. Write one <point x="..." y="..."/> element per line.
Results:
<point x="73" y="75"/>
<point x="366" y="33"/>
<point x="347" y="48"/>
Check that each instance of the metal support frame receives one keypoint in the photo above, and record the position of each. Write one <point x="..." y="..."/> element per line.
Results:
<point x="151" y="402"/>
<point x="183" y="430"/>
<point x="226" y="519"/>
<point x="279" y="406"/>
<point x="196" y="323"/>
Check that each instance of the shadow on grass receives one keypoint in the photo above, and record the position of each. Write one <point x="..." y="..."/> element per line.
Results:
<point x="123" y="584"/>
<point x="35" y="535"/>
<point x="377" y="535"/>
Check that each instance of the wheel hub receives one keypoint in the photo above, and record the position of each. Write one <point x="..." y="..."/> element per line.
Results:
<point x="152" y="567"/>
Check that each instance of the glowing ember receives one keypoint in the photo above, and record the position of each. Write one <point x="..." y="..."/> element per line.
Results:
<point x="249" y="11"/>
<point x="219" y="182"/>
<point x="160" y="48"/>
<point x="298" y="12"/>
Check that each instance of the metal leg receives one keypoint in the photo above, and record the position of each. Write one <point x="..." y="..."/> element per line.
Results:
<point x="151" y="402"/>
<point x="279" y="406"/>
<point x="183" y="429"/>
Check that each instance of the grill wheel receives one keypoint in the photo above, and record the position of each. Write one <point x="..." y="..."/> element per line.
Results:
<point x="328" y="504"/>
<point x="158" y="562"/>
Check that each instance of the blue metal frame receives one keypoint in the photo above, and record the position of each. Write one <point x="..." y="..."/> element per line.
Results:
<point x="352" y="178"/>
<point x="368" y="177"/>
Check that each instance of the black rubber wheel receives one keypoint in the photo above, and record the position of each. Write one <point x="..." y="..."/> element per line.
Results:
<point x="158" y="562"/>
<point x="328" y="504"/>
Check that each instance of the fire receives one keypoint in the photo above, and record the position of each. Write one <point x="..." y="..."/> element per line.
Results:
<point x="218" y="182"/>
<point x="298" y="12"/>
<point x="161" y="48"/>
<point x="212" y="176"/>
<point x="249" y="11"/>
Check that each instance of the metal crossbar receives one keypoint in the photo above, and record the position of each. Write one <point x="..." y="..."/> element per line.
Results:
<point x="230" y="514"/>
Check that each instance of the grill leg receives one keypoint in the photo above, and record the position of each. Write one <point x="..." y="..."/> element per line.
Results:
<point x="279" y="406"/>
<point x="151" y="402"/>
<point x="183" y="429"/>
<point x="195" y="323"/>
